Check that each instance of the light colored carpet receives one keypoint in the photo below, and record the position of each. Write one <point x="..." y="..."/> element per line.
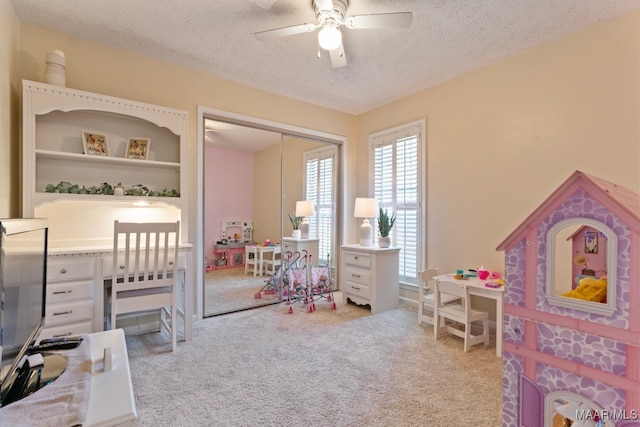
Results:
<point x="229" y="289"/>
<point x="264" y="367"/>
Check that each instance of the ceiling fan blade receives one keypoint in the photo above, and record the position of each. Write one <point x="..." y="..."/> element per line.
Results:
<point x="285" y="31"/>
<point x="324" y="4"/>
<point x="380" y="20"/>
<point x="338" y="57"/>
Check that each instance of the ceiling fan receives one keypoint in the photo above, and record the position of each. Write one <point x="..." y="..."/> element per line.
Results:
<point x="331" y="15"/>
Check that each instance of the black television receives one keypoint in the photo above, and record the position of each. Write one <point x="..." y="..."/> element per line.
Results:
<point x="23" y="277"/>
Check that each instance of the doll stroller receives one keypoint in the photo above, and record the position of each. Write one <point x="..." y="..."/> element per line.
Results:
<point x="321" y="285"/>
<point x="271" y="285"/>
<point x="296" y="280"/>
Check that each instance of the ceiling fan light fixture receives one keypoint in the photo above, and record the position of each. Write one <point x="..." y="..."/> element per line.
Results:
<point x="329" y="37"/>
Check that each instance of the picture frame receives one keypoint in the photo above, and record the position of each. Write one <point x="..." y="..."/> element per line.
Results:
<point x="591" y="242"/>
<point x="95" y="144"/>
<point x="138" y="148"/>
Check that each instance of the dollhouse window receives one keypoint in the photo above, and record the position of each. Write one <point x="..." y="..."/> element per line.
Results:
<point x="581" y="266"/>
<point x="563" y="408"/>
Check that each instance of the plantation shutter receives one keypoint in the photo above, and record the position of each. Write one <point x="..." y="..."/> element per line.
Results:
<point x="320" y="177"/>
<point x="396" y="186"/>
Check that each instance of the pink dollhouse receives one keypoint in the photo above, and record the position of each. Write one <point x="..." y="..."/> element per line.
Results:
<point x="571" y="360"/>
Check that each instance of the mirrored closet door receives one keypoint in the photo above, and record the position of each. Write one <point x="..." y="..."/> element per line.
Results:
<point x="253" y="178"/>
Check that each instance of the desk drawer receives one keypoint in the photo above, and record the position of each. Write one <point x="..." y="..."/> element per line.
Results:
<point x="63" y="270"/>
<point x="58" y="314"/>
<point x="67" y="330"/>
<point x="362" y="277"/>
<point x="357" y="289"/>
<point x="62" y="292"/>
<point x="358" y="259"/>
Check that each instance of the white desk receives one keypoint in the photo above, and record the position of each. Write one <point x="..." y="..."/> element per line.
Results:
<point x="477" y="287"/>
<point x="75" y="289"/>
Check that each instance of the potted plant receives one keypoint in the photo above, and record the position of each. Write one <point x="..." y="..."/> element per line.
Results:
<point x="385" y="223"/>
<point x="295" y="223"/>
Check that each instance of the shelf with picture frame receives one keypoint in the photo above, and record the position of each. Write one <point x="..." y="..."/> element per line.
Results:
<point x="56" y="124"/>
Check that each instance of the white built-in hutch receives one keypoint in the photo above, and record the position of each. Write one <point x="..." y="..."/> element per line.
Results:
<point x="71" y="189"/>
<point x="63" y="182"/>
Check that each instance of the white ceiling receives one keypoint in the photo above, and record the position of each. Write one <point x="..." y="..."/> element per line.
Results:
<point x="448" y="38"/>
<point x="235" y="137"/>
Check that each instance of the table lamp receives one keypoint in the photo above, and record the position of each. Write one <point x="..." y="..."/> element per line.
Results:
<point x="305" y="208"/>
<point x="365" y="208"/>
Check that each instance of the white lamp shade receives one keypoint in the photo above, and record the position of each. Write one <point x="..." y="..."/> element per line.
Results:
<point x="365" y="208"/>
<point x="305" y="208"/>
<point x="329" y="37"/>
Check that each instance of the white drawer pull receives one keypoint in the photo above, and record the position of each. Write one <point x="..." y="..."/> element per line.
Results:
<point x="63" y="312"/>
<point x="355" y="287"/>
<point x="68" y="291"/>
<point x="121" y="266"/>
<point x="63" y="271"/>
<point x="68" y="334"/>
<point x="355" y="275"/>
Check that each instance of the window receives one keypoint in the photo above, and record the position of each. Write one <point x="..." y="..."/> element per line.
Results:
<point x="395" y="172"/>
<point x="572" y="258"/>
<point x="320" y="183"/>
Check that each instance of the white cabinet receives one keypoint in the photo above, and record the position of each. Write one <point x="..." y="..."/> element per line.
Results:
<point x="369" y="275"/>
<point x="290" y="244"/>
<point x="54" y="119"/>
<point x="70" y="301"/>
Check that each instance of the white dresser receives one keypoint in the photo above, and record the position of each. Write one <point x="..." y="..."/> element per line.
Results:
<point x="290" y="244"/>
<point x="369" y="275"/>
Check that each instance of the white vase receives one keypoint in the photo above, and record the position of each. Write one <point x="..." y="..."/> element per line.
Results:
<point x="296" y="234"/>
<point x="384" y="242"/>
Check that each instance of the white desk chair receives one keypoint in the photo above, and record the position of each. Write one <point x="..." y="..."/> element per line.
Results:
<point x="147" y="278"/>
<point x="426" y="296"/>
<point x="270" y="264"/>
<point x="251" y="259"/>
<point x="459" y="313"/>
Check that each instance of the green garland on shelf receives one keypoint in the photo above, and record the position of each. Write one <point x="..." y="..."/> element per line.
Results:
<point x="108" y="189"/>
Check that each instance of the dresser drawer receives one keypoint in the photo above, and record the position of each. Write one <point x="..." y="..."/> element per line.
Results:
<point x="358" y="259"/>
<point x="63" y="270"/>
<point x="67" y="330"/>
<point x="62" y="292"/>
<point x="288" y="247"/>
<point x="362" y="277"/>
<point x="357" y="289"/>
<point x="58" y="314"/>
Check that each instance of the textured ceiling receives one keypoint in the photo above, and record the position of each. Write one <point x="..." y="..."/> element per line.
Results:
<point x="447" y="38"/>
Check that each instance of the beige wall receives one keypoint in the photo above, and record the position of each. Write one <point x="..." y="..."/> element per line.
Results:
<point x="501" y="139"/>
<point x="9" y="111"/>
<point x="266" y="194"/>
